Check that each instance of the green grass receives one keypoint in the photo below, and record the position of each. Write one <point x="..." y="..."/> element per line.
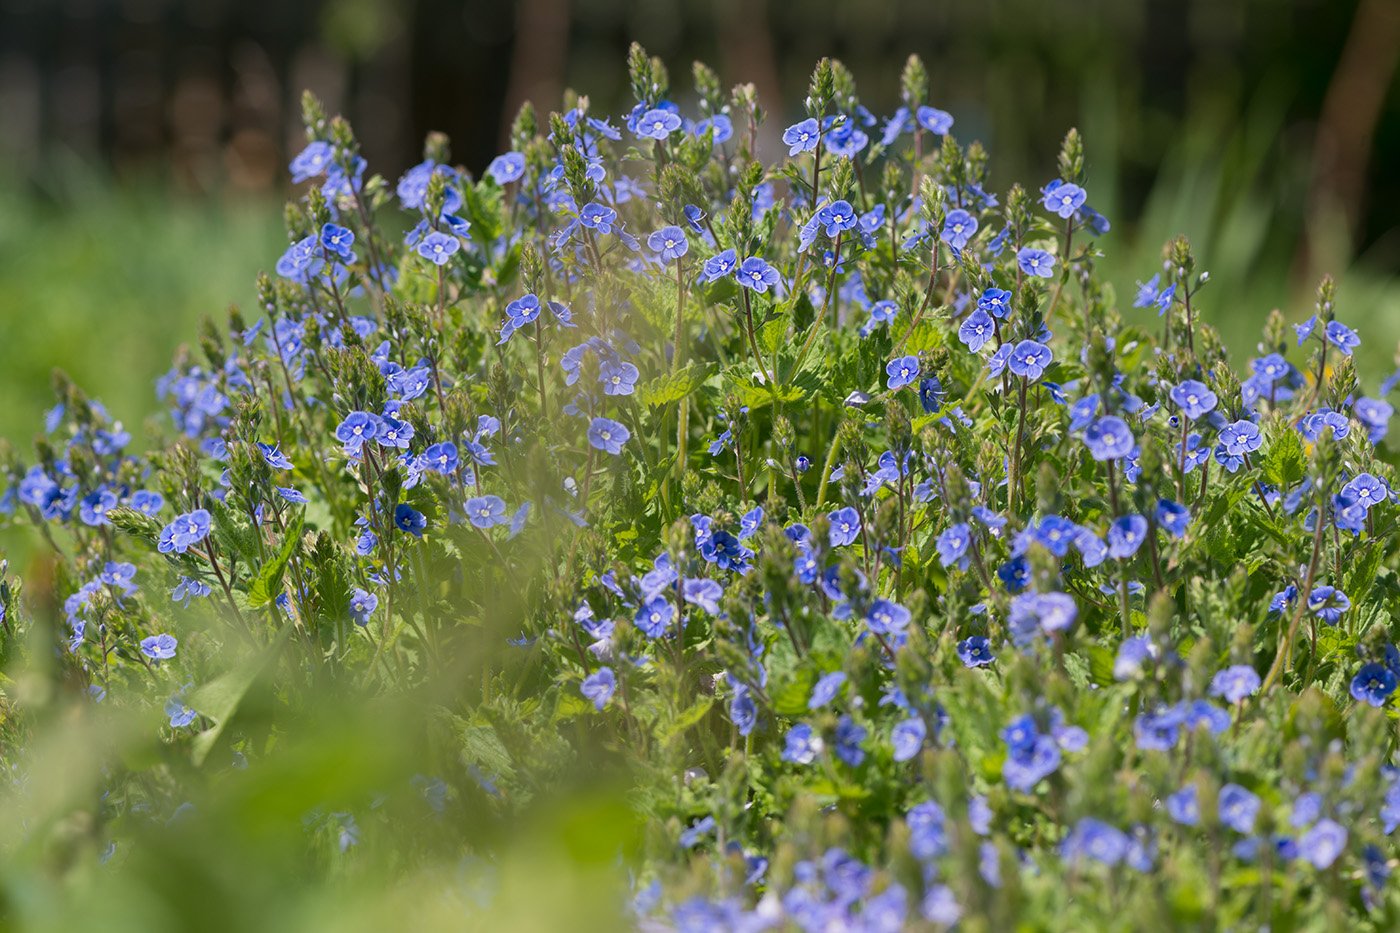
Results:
<point x="106" y="281"/>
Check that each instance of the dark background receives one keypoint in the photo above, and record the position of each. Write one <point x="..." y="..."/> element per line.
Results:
<point x="207" y="90"/>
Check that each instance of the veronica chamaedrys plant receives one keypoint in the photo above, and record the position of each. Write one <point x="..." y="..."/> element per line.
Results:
<point x="834" y="504"/>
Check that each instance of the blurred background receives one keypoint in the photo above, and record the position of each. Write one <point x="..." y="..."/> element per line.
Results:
<point x="143" y="143"/>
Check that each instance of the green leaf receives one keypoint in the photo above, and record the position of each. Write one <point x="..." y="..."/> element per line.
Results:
<point x="926" y="336"/>
<point x="756" y="397"/>
<point x="688" y="718"/>
<point x="220" y="697"/>
<point x="672" y="387"/>
<point x="790" y="699"/>
<point x="1362" y="575"/>
<point x="268" y="584"/>
<point x="1285" y="463"/>
<point x="772" y="334"/>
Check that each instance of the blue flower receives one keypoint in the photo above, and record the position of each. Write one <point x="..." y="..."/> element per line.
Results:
<point x="523" y="310"/>
<point x="953" y="543"/>
<point x="1109" y="438"/>
<point x="1366" y="490"/>
<point x="597" y="217"/>
<point x="93" y="508"/>
<point x="958" y="228"/>
<point x="720" y="266"/>
<point x="1271" y="368"/>
<point x="704" y="593"/>
<point x="1283" y="599"/>
<point x="1305" y="329"/>
<point x="654" y="616"/>
<point x="358" y="427"/>
<point x="693" y="835"/>
<point x="1236" y="440"/>
<point x="1126" y="535"/>
<point x="802" y="137"/>
<point x="311" y="161"/>
<point x="1147" y="292"/>
<point x="274" y="457"/>
<point x="669" y="243"/>
<point x="437" y="247"/>
<point x="393" y="433"/>
<point x="1375" y="413"/>
<point x="743" y="712"/>
<point x="362" y="605"/>
<point x="908" y="738"/>
<point x="837" y="217"/>
<point x="485" y="511"/>
<point x="1091" y="547"/>
<point x="147" y="502"/>
<point x="1341" y="337"/>
<point x="1373" y="683"/>
<point x="930" y="395"/>
<point x="180" y="714"/>
<point x="801" y="746"/>
<point x="1235" y="683"/>
<point x="977" y="329"/>
<point x="1184" y="807"/>
<point x="845" y="526"/>
<point x="159" y="647"/>
<point x="758" y="275"/>
<point x="618" y="378"/>
<point x="887" y="618"/>
<point x="849" y="735"/>
<point x="409" y="520"/>
<point x="599" y="687"/>
<point x="1029" y="359"/>
<point x="720" y="124"/>
<point x="1238" y="808"/>
<point x="1035" y="612"/>
<point x="607" y="435"/>
<point x="995" y="301"/>
<point x="1036" y="262"/>
<point x="934" y="120"/>
<point x="998" y="360"/>
<point x="1323" y="844"/>
<point x="902" y="371"/>
<point x="1173" y="516"/>
<point x="186" y="530"/>
<point x="337" y="240"/>
<point x="1328" y="603"/>
<point x="657" y="124"/>
<point x="507" y="167"/>
<point x="826" y="689"/>
<point x="976" y="651"/>
<point x="291" y="495"/>
<point x="1194" y="398"/>
<point x="1063" y="199"/>
<point x="1095" y="839"/>
<point x="189" y="589"/>
<point x="440" y="458"/>
<point x="1028" y="763"/>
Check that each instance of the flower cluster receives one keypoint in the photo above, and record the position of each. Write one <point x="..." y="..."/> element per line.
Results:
<point x="833" y="502"/>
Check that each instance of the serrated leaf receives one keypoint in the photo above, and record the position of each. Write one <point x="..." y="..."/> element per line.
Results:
<point x="688" y="718"/>
<point x="791" y="698"/>
<point x="672" y="387"/>
<point x="1362" y="575"/>
<point x="756" y="397"/>
<point x="268" y="584"/>
<point x="1285" y="463"/>
<point x="772" y="334"/>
